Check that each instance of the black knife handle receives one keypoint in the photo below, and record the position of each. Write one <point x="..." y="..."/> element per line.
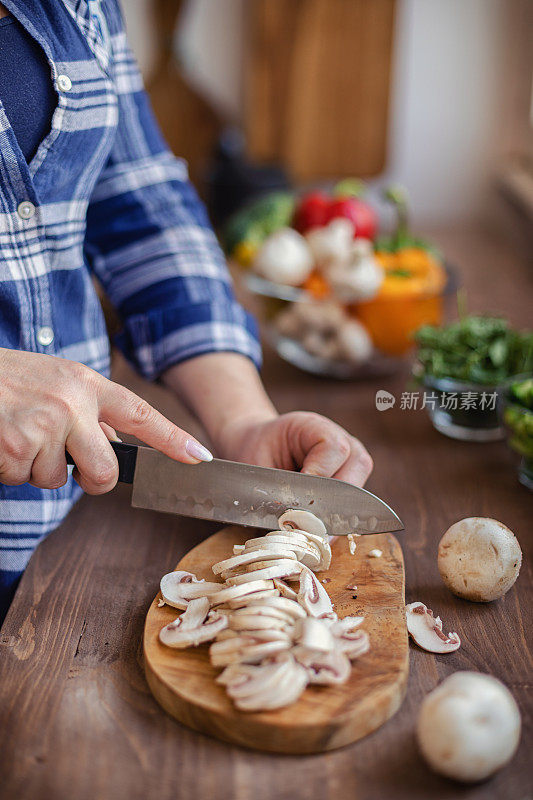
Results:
<point x="127" y="458"/>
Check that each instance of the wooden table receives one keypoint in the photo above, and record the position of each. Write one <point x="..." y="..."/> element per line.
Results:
<point x="77" y="721"/>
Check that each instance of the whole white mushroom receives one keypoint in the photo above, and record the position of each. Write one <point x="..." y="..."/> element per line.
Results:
<point x="284" y="257"/>
<point x="469" y="726"/>
<point x="333" y="242"/>
<point x="479" y="559"/>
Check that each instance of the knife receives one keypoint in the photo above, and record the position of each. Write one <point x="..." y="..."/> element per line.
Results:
<point x="241" y="494"/>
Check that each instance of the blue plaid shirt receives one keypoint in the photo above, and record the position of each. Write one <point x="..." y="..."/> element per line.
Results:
<point x="102" y="197"/>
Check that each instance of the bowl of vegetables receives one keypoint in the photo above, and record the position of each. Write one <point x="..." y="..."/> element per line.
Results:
<point x="337" y="299"/>
<point x="517" y="407"/>
<point x="464" y="368"/>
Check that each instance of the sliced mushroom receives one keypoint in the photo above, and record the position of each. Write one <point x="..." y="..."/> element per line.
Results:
<point x="331" y="667"/>
<point x="249" y="557"/>
<point x="245" y="650"/>
<point x="194" y="626"/>
<point x="178" y="588"/>
<point x="353" y="643"/>
<point x="297" y="519"/>
<point x="426" y="630"/>
<point x="284" y="686"/>
<point x="284" y="590"/>
<point x="283" y="569"/>
<point x="263" y="610"/>
<point x="312" y="595"/>
<point x="241" y="602"/>
<point x="324" y="548"/>
<point x="228" y="593"/>
<point x="253" y="622"/>
<point x="314" y="634"/>
<point x="289" y="607"/>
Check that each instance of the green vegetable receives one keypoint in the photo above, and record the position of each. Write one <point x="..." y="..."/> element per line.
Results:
<point x="523" y="392"/>
<point x="476" y="349"/>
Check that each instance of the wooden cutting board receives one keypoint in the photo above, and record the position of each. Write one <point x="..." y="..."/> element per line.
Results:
<point x="324" y="718"/>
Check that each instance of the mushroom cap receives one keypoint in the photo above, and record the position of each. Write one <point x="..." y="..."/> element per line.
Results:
<point x="469" y="726"/>
<point x="479" y="559"/>
<point x="332" y="242"/>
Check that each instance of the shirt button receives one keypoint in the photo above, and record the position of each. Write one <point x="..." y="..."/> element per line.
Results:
<point x="26" y="209"/>
<point x="45" y="336"/>
<point x="64" y="83"/>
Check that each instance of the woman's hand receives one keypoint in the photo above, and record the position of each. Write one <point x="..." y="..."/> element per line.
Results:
<point x="225" y="392"/>
<point x="300" y="440"/>
<point x="49" y="405"/>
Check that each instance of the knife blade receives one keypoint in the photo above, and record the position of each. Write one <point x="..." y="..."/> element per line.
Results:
<point x="242" y="494"/>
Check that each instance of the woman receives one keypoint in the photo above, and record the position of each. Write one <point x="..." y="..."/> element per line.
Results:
<point x="88" y="187"/>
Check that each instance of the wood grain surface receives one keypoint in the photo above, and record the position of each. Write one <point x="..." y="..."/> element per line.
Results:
<point x="77" y="719"/>
<point x="183" y="681"/>
<point x="317" y="76"/>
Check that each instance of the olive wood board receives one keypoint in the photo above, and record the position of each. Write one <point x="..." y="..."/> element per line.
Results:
<point x="325" y="717"/>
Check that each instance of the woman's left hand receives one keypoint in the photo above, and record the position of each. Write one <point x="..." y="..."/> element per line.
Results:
<point x="300" y="440"/>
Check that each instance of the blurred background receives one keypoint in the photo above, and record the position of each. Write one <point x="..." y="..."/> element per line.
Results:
<point x="434" y="95"/>
<point x="368" y="166"/>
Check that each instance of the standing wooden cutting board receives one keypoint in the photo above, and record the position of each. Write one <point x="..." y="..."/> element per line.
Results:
<point x="183" y="681"/>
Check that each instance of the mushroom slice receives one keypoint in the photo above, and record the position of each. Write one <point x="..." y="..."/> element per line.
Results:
<point x="284" y="590"/>
<point x="290" y="608"/>
<point x="253" y="622"/>
<point x="263" y="610"/>
<point x="312" y="595"/>
<point x="226" y="634"/>
<point x="283" y="689"/>
<point x="284" y="568"/>
<point x="258" y="597"/>
<point x="246" y="679"/>
<point x="426" y="630"/>
<point x="194" y="626"/>
<point x="353" y="643"/>
<point x="299" y="520"/>
<point x="339" y="626"/>
<point x="248" y="650"/>
<point x="228" y="593"/>
<point x="323" y="546"/>
<point x="249" y="557"/>
<point x="314" y="634"/>
<point x="306" y="553"/>
<point x="327" y="668"/>
<point x="178" y="588"/>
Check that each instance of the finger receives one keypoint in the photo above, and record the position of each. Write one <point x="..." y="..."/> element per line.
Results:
<point x="127" y="412"/>
<point x="357" y="467"/>
<point x="15" y="473"/>
<point x="49" y="470"/>
<point x="17" y="452"/>
<point x="326" y="446"/>
<point x="96" y="464"/>
<point x="110" y="432"/>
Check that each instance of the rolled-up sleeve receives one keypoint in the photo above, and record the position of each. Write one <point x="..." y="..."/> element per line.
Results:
<point x="151" y="246"/>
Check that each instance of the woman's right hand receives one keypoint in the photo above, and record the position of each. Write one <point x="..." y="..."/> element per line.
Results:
<point x="49" y="405"/>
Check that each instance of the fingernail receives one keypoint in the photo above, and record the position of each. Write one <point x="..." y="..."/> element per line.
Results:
<point x="116" y="439"/>
<point x="197" y="450"/>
